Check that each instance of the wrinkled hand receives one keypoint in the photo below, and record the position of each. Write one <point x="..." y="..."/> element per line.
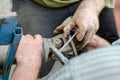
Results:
<point x="87" y="23"/>
<point x="29" y="49"/>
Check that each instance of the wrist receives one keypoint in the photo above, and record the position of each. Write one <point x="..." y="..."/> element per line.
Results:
<point x="30" y="61"/>
<point x="95" y="6"/>
<point x="30" y="69"/>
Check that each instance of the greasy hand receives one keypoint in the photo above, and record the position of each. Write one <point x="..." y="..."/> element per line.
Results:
<point x="29" y="49"/>
<point x="87" y="23"/>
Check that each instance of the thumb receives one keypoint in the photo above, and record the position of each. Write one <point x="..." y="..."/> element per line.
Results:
<point x="59" y="29"/>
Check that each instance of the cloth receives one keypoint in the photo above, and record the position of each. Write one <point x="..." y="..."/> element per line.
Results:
<point x="62" y="3"/>
<point x="110" y="3"/>
<point x="55" y="3"/>
<point x="117" y="42"/>
<point x="99" y="64"/>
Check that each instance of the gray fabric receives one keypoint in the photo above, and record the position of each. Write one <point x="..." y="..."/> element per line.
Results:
<point x="117" y="42"/>
<point x="99" y="64"/>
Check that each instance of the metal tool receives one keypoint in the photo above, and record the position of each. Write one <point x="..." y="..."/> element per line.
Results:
<point x="68" y="41"/>
<point x="58" y="53"/>
<point x="10" y="36"/>
<point x="58" y="42"/>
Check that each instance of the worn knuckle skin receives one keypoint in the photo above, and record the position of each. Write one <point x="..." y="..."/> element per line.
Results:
<point x="66" y="29"/>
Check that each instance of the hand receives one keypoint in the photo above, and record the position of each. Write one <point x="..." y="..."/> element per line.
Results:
<point x="29" y="49"/>
<point x="28" y="57"/>
<point x="85" y="19"/>
<point x="95" y="42"/>
<point x="87" y="23"/>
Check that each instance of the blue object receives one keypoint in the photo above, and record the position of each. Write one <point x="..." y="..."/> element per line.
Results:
<point x="9" y="35"/>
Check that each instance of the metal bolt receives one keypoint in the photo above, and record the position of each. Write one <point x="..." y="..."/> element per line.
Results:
<point x="58" y="42"/>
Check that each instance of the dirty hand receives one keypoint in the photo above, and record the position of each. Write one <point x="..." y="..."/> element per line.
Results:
<point x="87" y="23"/>
<point x="29" y="50"/>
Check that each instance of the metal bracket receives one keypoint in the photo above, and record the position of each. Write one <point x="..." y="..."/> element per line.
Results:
<point x="58" y="41"/>
<point x="9" y="35"/>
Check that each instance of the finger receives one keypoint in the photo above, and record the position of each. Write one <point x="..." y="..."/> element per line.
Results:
<point x="87" y="48"/>
<point x="59" y="29"/>
<point x="68" y="28"/>
<point x="23" y="39"/>
<point x="38" y="37"/>
<point x="29" y="36"/>
<point x="81" y="34"/>
<point x="87" y="38"/>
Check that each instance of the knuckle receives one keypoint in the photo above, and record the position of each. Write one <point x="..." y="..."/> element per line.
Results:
<point x="92" y="28"/>
<point x="28" y="35"/>
<point x="66" y="29"/>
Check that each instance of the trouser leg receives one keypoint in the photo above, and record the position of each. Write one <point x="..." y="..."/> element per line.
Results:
<point x="107" y="28"/>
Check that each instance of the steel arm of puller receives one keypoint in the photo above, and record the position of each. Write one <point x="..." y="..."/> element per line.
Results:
<point x="58" y="53"/>
<point x="58" y="47"/>
<point x="9" y="35"/>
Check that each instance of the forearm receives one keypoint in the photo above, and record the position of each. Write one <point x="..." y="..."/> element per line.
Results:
<point x="26" y="71"/>
<point x="92" y="5"/>
<point x="28" y="58"/>
<point x="117" y="16"/>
